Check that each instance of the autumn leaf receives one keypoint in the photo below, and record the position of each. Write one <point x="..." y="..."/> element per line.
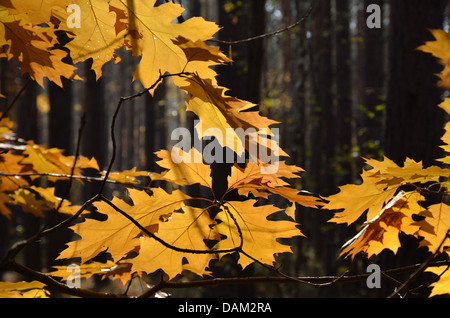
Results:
<point x="85" y="270"/>
<point x="189" y="231"/>
<point x="440" y="48"/>
<point x="33" y="47"/>
<point x="151" y="34"/>
<point x="53" y="161"/>
<point x="442" y="286"/>
<point x="188" y="167"/>
<point x="126" y="176"/>
<point x="382" y="232"/>
<point x="10" y="164"/>
<point x="445" y="105"/>
<point x="201" y="59"/>
<point x="378" y="186"/>
<point x="38" y="11"/>
<point x="36" y="200"/>
<point x="119" y="235"/>
<point x="252" y="179"/>
<point x="259" y="233"/>
<point x="228" y="120"/>
<point x="434" y="228"/>
<point x="33" y="289"/>
<point x="97" y="39"/>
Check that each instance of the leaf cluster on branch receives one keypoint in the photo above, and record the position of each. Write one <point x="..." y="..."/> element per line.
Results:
<point x="164" y="228"/>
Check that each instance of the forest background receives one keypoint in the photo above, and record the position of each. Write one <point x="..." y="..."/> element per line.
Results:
<point x="341" y="90"/>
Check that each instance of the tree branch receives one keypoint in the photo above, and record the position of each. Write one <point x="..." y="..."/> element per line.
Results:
<point x="418" y="271"/>
<point x="262" y="36"/>
<point x="316" y="281"/>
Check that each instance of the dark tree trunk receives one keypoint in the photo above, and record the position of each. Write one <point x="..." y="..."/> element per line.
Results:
<point x="414" y="122"/>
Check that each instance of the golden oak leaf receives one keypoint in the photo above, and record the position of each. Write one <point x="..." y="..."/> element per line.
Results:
<point x="188" y="230"/>
<point x="259" y="234"/>
<point x="33" y="47"/>
<point x="118" y="235"/>
<point x="36" y="200"/>
<point x="28" y="201"/>
<point x="38" y="11"/>
<point x="200" y="60"/>
<point x="440" y="48"/>
<point x="188" y="167"/>
<point x="435" y="226"/>
<point x="227" y="119"/>
<point x="355" y="199"/>
<point x="290" y="210"/>
<point x="252" y="178"/>
<point x="85" y="270"/>
<point x="391" y="174"/>
<point x="442" y="286"/>
<point x="6" y="125"/>
<point x="151" y="34"/>
<point x="97" y="38"/>
<point x="127" y="176"/>
<point x="445" y="105"/>
<point x="382" y="231"/>
<point x="33" y="289"/>
<point x="197" y="53"/>
<point x="10" y="164"/>
<point x="53" y="161"/>
<point x="378" y="186"/>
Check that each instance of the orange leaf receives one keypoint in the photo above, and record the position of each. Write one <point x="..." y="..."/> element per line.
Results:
<point x="259" y="234"/>
<point x="118" y="235"/>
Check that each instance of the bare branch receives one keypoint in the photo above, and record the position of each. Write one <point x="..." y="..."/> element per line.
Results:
<point x="418" y="271"/>
<point x="265" y="35"/>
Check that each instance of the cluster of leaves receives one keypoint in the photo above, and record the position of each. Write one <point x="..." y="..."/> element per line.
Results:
<point x="407" y="199"/>
<point x="164" y="228"/>
<point x="155" y="227"/>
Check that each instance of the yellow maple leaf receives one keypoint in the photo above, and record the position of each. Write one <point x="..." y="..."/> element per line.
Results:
<point x="252" y="179"/>
<point x="445" y="105"/>
<point x="10" y="164"/>
<point x="435" y="226"/>
<point x="378" y="186"/>
<point x="85" y="270"/>
<point x="33" y="47"/>
<point x="442" y="286"/>
<point x="188" y="167"/>
<point x="96" y="38"/>
<point x="119" y="235"/>
<point x="151" y="34"/>
<point x="33" y="289"/>
<point x="382" y="231"/>
<point x="440" y="48"/>
<point x="38" y="11"/>
<point x="188" y="230"/>
<point x="228" y="120"/>
<point x="53" y="161"/>
<point x="355" y="199"/>
<point x="259" y="234"/>
<point x="127" y="176"/>
<point x="36" y="200"/>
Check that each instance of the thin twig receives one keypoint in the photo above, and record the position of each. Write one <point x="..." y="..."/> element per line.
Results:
<point x="71" y="176"/>
<point x="318" y="281"/>
<point x="75" y="177"/>
<point x="261" y="36"/>
<point x="418" y="271"/>
<point x="16" y="98"/>
<point x="158" y="239"/>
